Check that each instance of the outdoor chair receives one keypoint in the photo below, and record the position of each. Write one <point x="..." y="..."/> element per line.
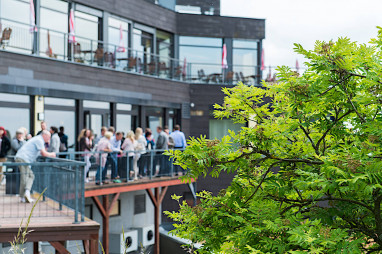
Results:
<point x="6" y="36"/>
<point x="99" y="56"/>
<point x="109" y="60"/>
<point x="229" y="76"/>
<point x="131" y="63"/>
<point x="77" y="53"/>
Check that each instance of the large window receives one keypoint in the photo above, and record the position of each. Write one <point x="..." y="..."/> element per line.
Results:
<point x="204" y="54"/>
<point x="54" y="24"/>
<point x="117" y="46"/>
<point x="165" y="50"/>
<point x="16" y="10"/>
<point x="219" y="128"/>
<point x="143" y="47"/>
<point x="244" y="57"/>
<point x="61" y="112"/>
<point x="14" y="111"/>
<point x="126" y="117"/>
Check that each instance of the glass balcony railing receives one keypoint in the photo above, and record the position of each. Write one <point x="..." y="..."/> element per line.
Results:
<point x="17" y="37"/>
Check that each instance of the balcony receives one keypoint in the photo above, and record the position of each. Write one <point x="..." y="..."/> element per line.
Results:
<point x="17" y="37"/>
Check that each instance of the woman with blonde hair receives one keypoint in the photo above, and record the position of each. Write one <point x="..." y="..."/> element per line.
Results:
<point x="86" y="144"/>
<point x="128" y="146"/>
<point x="141" y="150"/>
<point x="104" y="146"/>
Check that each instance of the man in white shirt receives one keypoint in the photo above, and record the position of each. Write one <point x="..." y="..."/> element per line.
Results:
<point x="28" y="153"/>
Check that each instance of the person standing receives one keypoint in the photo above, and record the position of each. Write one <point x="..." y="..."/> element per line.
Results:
<point x="54" y="141"/>
<point x="63" y="142"/>
<point x="5" y="146"/>
<point x="102" y="149"/>
<point x="18" y="141"/>
<point x="43" y="127"/>
<point x="103" y="131"/>
<point x="28" y="153"/>
<point x="86" y="145"/>
<point x="128" y="146"/>
<point x="113" y="157"/>
<point x="179" y="143"/>
<point x="141" y="150"/>
<point x="161" y="144"/>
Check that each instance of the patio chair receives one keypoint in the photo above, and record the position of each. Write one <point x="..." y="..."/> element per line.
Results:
<point x="109" y="60"/>
<point x="229" y="76"/>
<point x="77" y="53"/>
<point x="6" y="36"/>
<point x="99" y="56"/>
<point x="132" y="63"/>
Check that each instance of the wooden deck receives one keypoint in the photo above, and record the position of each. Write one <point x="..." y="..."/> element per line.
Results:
<point x="47" y="222"/>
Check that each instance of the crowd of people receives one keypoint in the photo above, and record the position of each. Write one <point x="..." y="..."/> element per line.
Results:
<point x="129" y="155"/>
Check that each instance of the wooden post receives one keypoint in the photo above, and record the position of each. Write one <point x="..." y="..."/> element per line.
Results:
<point x="35" y="248"/>
<point x="156" y="214"/>
<point x="157" y="201"/>
<point x="105" y="225"/>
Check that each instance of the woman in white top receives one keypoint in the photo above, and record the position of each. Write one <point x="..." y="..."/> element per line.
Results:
<point x="128" y="147"/>
<point x="141" y="149"/>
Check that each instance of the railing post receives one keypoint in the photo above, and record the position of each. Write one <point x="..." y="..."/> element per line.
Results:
<point x="82" y="193"/>
<point x="151" y="163"/>
<point x="127" y="167"/>
<point x="100" y="167"/>
<point x="76" y="176"/>
<point x="64" y="56"/>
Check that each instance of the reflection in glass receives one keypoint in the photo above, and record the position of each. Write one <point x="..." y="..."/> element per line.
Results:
<point x="62" y="118"/>
<point x="14" y="118"/>
<point x="142" y="44"/>
<point x="96" y="104"/>
<point x="14" y="98"/>
<point x="59" y="101"/>
<point x="96" y="124"/>
<point x="124" y="123"/>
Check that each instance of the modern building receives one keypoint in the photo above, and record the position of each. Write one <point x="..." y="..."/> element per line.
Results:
<point x="122" y="63"/>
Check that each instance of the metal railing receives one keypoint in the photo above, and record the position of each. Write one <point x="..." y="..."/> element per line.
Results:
<point x="59" y="179"/>
<point x="147" y="164"/>
<point x="55" y="45"/>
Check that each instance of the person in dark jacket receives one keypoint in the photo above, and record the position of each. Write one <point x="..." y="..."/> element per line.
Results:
<point x="5" y="146"/>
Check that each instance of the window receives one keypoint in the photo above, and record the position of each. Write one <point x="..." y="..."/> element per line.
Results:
<point x="219" y="128"/>
<point x="116" y="26"/>
<point x="14" y="118"/>
<point x="143" y="47"/>
<point x="204" y="54"/>
<point x="245" y="57"/>
<point x="53" y="18"/>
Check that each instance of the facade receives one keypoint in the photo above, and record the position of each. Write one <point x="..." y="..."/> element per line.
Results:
<point x="127" y="64"/>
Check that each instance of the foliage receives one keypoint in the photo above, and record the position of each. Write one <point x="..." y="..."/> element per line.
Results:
<point x="308" y="174"/>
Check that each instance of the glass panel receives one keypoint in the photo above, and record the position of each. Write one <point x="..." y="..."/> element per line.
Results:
<point x="59" y="101"/>
<point x="127" y="107"/>
<point x="96" y="104"/>
<point x="86" y="25"/>
<point x="14" y="98"/>
<point x="54" y="20"/>
<point x="200" y="41"/>
<point x="62" y="118"/>
<point x="244" y="57"/>
<point x="15" y="10"/>
<point x="116" y="47"/>
<point x="244" y="44"/>
<point x="142" y="43"/>
<point x="96" y="124"/>
<point x="219" y="128"/>
<point x="153" y="123"/>
<point x="55" y="5"/>
<point x="124" y="123"/>
<point x="14" y="118"/>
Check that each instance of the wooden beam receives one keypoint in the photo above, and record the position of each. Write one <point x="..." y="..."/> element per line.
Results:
<point x="151" y="195"/>
<point x="35" y="247"/>
<point x="105" y="225"/>
<point x="116" y="196"/>
<point x="99" y="206"/>
<point x="86" y="246"/>
<point x="94" y="246"/>
<point x="127" y="187"/>
<point x="59" y="247"/>
<point x="156" y="223"/>
<point x="163" y="192"/>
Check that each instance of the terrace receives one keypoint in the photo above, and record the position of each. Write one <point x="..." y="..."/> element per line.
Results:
<point x="18" y="37"/>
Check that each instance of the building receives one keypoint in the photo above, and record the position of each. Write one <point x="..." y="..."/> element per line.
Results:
<point x="128" y="64"/>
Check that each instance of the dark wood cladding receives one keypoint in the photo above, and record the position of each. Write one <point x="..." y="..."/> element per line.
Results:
<point x="220" y="26"/>
<point x="161" y="91"/>
<point x="137" y="10"/>
<point x="204" y="96"/>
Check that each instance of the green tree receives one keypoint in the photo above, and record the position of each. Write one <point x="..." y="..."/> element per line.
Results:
<point x="309" y="174"/>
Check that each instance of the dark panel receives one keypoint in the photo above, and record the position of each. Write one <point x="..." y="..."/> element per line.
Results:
<point x="220" y="26"/>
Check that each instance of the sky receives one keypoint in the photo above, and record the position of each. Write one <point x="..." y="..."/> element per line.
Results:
<point x="305" y="21"/>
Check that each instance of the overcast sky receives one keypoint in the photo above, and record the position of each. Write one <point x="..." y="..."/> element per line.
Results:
<point x="305" y="21"/>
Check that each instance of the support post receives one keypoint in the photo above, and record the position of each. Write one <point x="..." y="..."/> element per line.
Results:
<point x="105" y="225"/>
